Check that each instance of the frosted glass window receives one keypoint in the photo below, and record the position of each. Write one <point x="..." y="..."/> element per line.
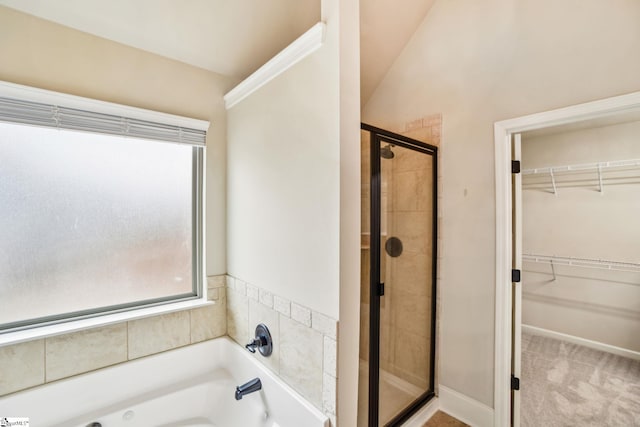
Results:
<point x="91" y="223"/>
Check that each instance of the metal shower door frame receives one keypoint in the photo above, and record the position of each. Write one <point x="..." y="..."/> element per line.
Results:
<point x="377" y="137"/>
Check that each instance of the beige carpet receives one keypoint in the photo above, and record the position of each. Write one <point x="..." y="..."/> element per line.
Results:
<point x="440" y="419"/>
<point x="565" y="384"/>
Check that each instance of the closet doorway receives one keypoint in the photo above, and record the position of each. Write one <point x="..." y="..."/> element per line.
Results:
<point x="398" y="292"/>
<point x="567" y="266"/>
<point x="580" y="299"/>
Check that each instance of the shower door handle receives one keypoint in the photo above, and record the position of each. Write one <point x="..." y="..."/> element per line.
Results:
<point x="381" y="289"/>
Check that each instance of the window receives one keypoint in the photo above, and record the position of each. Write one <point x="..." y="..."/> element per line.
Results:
<point x="98" y="213"/>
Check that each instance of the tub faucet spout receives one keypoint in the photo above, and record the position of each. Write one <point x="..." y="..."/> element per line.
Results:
<point x="248" y="387"/>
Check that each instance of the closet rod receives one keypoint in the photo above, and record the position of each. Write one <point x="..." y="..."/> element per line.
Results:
<point x="584" y="167"/>
<point x="583" y="262"/>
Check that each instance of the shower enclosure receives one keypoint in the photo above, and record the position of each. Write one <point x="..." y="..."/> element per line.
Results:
<point x="398" y="288"/>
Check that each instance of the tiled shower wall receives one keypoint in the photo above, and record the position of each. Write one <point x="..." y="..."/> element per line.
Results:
<point x="305" y="341"/>
<point x="45" y="360"/>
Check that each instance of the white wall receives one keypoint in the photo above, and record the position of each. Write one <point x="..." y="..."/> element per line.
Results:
<point x="283" y="191"/>
<point x="477" y="63"/>
<point x="598" y="305"/>
<point x="293" y="193"/>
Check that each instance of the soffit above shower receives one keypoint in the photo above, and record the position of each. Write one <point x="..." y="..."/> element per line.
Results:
<point x="232" y="38"/>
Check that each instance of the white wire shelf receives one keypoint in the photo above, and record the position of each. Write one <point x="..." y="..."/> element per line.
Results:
<point x="600" y="264"/>
<point x="556" y="172"/>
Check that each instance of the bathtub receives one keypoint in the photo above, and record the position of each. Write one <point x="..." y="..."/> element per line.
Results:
<point x="188" y="387"/>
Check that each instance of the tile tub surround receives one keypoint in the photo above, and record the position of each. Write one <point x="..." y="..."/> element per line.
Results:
<point x="38" y="362"/>
<point x="305" y="341"/>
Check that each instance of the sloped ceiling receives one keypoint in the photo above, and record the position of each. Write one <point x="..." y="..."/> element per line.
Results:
<point x="385" y="28"/>
<point x="229" y="37"/>
<point x="233" y="37"/>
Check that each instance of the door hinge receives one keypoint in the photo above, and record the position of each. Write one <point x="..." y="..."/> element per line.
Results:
<point x="381" y="289"/>
<point x="515" y="166"/>
<point x="515" y="276"/>
<point x="515" y="382"/>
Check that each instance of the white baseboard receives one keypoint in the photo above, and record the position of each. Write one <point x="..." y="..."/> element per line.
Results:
<point x="422" y="416"/>
<point x="582" y="341"/>
<point x="464" y="408"/>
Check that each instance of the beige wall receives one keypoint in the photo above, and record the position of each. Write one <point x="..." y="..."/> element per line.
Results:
<point x="45" y="55"/>
<point x="41" y="54"/>
<point x="598" y="305"/>
<point x="477" y="63"/>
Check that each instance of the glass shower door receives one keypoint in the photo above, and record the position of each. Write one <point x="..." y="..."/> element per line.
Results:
<point x="407" y="271"/>
<point x="398" y="270"/>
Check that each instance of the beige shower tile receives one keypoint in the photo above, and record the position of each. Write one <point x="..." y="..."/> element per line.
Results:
<point x="21" y="366"/>
<point x="238" y="317"/>
<point x="231" y="282"/>
<point x="213" y="294"/>
<point x="216" y="281"/>
<point x="409" y="160"/>
<point x="324" y="324"/>
<point x="424" y="195"/>
<point x="253" y="292"/>
<point x="405" y="191"/>
<point x="240" y="286"/>
<point x="158" y="333"/>
<point x="266" y="298"/>
<point x="282" y="305"/>
<point x="301" y="359"/>
<point x="330" y="357"/>
<point x="85" y="351"/>
<point x="329" y="388"/>
<point x="412" y="313"/>
<point x="259" y="313"/>
<point x="412" y="356"/>
<point x="412" y="273"/>
<point x="209" y="322"/>
<point x="415" y="230"/>
<point x="301" y="314"/>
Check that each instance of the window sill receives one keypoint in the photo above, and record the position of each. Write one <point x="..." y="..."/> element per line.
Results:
<point x="93" y="322"/>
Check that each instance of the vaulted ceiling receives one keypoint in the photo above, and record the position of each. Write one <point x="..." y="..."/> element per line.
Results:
<point x="232" y="38"/>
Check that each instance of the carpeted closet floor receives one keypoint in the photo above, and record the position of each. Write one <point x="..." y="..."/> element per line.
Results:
<point x="441" y="419"/>
<point x="564" y="384"/>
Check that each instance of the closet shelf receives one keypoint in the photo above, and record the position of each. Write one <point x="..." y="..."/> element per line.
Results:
<point x="583" y="262"/>
<point x="598" y="167"/>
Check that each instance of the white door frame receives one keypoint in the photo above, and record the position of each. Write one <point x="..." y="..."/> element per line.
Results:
<point x="502" y="134"/>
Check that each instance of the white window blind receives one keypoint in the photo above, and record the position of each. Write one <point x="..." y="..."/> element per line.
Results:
<point x="48" y="115"/>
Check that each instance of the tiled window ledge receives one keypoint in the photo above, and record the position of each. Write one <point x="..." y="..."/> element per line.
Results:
<point x="38" y="360"/>
<point x="98" y="321"/>
<point x="214" y="283"/>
